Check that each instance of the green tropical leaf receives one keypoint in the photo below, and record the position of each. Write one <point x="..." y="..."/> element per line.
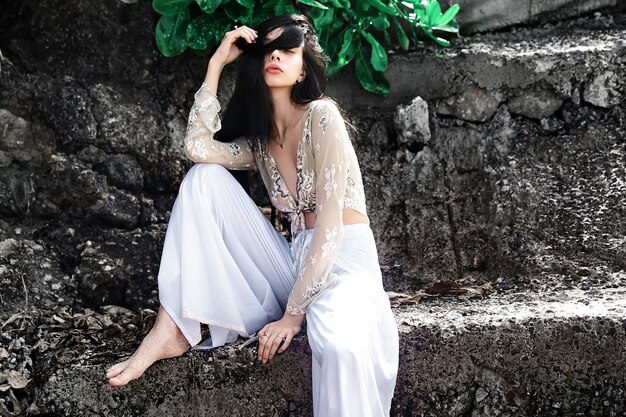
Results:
<point x="313" y="3"/>
<point x="361" y="7"/>
<point x="267" y="7"/>
<point x="379" y="55"/>
<point x="170" y="34"/>
<point x="387" y="37"/>
<point x="381" y="6"/>
<point x="323" y="34"/>
<point x="348" y="48"/>
<point x="261" y="12"/>
<point x="321" y="17"/>
<point x="400" y="34"/>
<point x="338" y="22"/>
<point x="284" y="7"/>
<point x="371" y="80"/>
<point x="208" y="6"/>
<point x="206" y="31"/>
<point x="448" y="15"/>
<point x="433" y="10"/>
<point x="381" y="22"/>
<point x="440" y="41"/>
<point x="170" y="7"/>
<point x="237" y="12"/>
<point x="420" y="13"/>
<point x="249" y="4"/>
<point x="342" y="27"/>
<point x="323" y="23"/>
<point x="451" y="27"/>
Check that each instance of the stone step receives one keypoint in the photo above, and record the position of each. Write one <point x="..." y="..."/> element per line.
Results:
<point x="560" y="56"/>
<point x="532" y="354"/>
<point x="487" y="160"/>
<point x="481" y="16"/>
<point x="498" y="160"/>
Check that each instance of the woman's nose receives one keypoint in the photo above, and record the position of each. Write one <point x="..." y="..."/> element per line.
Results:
<point x="275" y="55"/>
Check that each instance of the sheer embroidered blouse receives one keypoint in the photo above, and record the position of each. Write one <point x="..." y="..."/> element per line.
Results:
<point x="328" y="180"/>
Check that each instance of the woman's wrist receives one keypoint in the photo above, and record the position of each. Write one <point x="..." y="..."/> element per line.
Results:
<point x="213" y="73"/>
<point x="295" y="319"/>
<point x="215" y="65"/>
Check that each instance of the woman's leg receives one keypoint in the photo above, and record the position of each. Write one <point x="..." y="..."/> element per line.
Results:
<point x="353" y="336"/>
<point x="165" y="340"/>
<point x="223" y="264"/>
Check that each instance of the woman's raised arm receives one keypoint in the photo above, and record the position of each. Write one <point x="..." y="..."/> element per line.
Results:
<point x="204" y="120"/>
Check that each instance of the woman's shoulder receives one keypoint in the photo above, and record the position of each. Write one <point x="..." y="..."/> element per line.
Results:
<point x="325" y="108"/>
<point x="324" y="103"/>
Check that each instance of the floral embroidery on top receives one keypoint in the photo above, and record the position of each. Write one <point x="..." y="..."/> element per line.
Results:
<point x="324" y="120"/>
<point x="331" y="184"/>
<point x="235" y="149"/>
<point x="328" y="179"/>
<point x="203" y="122"/>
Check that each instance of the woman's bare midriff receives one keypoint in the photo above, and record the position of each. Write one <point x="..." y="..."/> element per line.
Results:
<point x="350" y="216"/>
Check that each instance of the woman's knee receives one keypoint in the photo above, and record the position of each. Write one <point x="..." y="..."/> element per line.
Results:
<point x="343" y="350"/>
<point x="205" y="174"/>
<point x="207" y="169"/>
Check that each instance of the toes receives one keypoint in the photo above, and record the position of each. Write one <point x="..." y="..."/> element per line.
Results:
<point x="121" y="379"/>
<point x="131" y="372"/>
<point x="117" y="381"/>
<point x="116" y="369"/>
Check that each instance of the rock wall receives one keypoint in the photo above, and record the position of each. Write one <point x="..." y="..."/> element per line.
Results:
<point x="500" y="158"/>
<point x="499" y="161"/>
<point x="480" y="15"/>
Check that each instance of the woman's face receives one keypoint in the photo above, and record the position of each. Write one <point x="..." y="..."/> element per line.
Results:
<point x="282" y="67"/>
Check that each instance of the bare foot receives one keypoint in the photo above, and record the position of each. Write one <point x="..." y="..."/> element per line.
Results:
<point x="165" y="340"/>
<point x="117" y="369"/>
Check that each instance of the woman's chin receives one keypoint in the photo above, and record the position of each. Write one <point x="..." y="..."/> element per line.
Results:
<point x="277" y="81"/>
<point x="277" y="85"/>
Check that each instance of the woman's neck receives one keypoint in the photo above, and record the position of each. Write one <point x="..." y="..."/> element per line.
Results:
<point x="283" y="110"/>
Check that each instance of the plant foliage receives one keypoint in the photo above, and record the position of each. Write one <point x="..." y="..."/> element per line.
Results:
<point x="348" y="30"/>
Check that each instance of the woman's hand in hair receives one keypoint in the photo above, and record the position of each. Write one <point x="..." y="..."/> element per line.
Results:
<point x="227" y="52"/>
<point x="276" y="337"/>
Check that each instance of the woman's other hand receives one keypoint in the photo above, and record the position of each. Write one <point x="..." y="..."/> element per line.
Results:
<point x="227" y="52"/>
<point x="277" y="336"/>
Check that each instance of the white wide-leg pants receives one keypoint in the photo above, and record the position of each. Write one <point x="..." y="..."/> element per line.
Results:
<point x="224" y="264"/>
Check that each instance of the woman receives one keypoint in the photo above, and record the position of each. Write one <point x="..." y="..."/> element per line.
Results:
<point x="225" y="265"/>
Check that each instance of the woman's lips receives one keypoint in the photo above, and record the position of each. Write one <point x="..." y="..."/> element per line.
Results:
<point x="273" y="70"/>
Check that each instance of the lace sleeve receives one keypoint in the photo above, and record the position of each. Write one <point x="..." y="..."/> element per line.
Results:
<point x="200" y="146"/>
<point x="329" y="139"/>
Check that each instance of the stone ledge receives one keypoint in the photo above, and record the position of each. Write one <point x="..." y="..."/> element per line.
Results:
<point x="481" y="16"/>
<point x="536" y="354"/>
<point x="559" y="55"/>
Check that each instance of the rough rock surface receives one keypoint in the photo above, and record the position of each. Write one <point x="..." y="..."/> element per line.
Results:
<point x="497" y="162"/>
<point x="522" y="154"/>
<point x="554" y="354"/>
<point x="481" y="15"/>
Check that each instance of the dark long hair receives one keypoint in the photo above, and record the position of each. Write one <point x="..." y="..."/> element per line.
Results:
<point x="250" y="110"/>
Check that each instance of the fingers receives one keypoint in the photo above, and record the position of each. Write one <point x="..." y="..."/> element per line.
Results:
<point x="286" y="343"/>
<point x="263" y="336"/>
<point x="272" y="346"/>
<point x="264" y="346"/>
<point x="245" y="32"/>
<point x="270" y="341"/>
<point x="276" y="344"/>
